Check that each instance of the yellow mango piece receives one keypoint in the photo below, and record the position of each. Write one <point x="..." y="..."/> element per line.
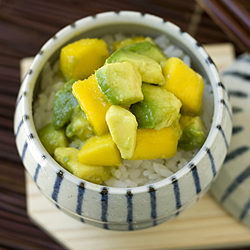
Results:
<point x="67" y="158"/>
<point x="129" y="41"/>
<point x="100" y="150"/>
<point x="78" y="60"/>
<point x="93" y="103"/>
<point x="185" y="84"/>
<point x="153" y="144"/>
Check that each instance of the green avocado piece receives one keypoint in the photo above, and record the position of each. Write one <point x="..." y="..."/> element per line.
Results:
<point x="67" y="157"/>
<point x="64" y="104"/>
<point x="123" y="129"/>
<point x="194" y="133"/>
<point x="158" y="109"/>
<point x="149" y="69"/>
<point x="52" y="139"/>
<point x="79" y="127"/>
<point x="148" y="49"/>
<point x="120" y="83"/>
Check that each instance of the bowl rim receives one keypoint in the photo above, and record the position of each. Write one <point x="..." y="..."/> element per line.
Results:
<point x="68" y="33"/>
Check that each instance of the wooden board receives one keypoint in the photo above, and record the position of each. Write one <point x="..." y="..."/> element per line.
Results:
<point x="205" y="225"/>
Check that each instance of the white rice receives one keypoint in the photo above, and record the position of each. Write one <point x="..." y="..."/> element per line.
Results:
<point x="130" y="173"/>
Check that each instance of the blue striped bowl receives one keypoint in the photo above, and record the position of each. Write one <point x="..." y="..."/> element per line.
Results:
<point x="123" y="208"/>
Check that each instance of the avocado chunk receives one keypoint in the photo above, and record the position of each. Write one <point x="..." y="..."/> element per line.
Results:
<point x="67" y="157"/>
<point x="129" y="41"/>
<point x="52" y="139"/>
<point x="79" y="127"/>
<point x="194" y="133"/>
<point x="158" y="109"/>
<point x="148" y="49"/>
<point x="123" y="129"/>
<point x="64" y="104"/>
<point x="149" y="69"/>
<point x="120" y="83"/>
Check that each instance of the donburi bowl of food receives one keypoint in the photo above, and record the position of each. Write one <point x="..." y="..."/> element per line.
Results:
<point x="122" y="120"/>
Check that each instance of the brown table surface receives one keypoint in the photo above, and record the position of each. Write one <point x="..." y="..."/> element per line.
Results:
<point x="25" y="25"/>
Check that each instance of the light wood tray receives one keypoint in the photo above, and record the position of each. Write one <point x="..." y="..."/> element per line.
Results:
<point x="205" y="225"/>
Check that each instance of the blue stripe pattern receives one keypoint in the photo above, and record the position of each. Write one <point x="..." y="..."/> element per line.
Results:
<point x="153" y="204"/>
<point x="245" y="210"/>
<point x="57" y="185"/>
<point x="177" y="194"/>
<point x="80" y="197"/>
<point x="19" y="99"/>
<point x="37" y="172"/>
<point x="18" y="128"/>
<point x="104" y="204"/>
<point x="211" y="158"/>
<point x="196" y="178"/>
<point x="129" y="196"/>
<point x="24" y="150"/>
<point x="237" y="129"/>
<point x="238" y="94"/>
<point x="237" y="152"/>
<point x="234" y="185"/>
<point x="238" y="74"/>
<point x="236" y="109"/>
<point x="228" y="110"/>
<point x="223" y="134"/>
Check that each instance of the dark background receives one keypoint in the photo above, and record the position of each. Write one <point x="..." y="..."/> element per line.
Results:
<point x="25" y="25"/>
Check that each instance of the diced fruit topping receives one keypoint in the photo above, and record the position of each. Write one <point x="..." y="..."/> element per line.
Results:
<point x="93" y="103"/>
<point x="120" y="83"/>
<point x="64" y="104"/>
<point x="129" y="41"/>
<point x="153" y="144"/>
<point x="100" y="150"/>
<point x="67" y="157"/>
<point x="78" y="60"/>
<point x="148" y="49"/>
<point x="51" y="138"/>
<point x="79" y="127"/>
<point x="134" y="104"/>
<point x="150" y="70"/>
<point x="185" y="84"/>
<point x="123" y="129"/>
<point x="194" y="133"/>
<point x="158" y="109"/>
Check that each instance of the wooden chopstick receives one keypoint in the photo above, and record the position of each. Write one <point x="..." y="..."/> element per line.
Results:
<point x="230" y="16"/>
<point x="239" y="11"/>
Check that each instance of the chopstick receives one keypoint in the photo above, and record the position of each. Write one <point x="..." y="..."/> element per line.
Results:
<point x="232" y="17"/>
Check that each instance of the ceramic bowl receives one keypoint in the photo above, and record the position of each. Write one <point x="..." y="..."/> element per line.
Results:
<point x="123" y="208"/>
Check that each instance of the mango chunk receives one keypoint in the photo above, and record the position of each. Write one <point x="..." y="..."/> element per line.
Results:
<point x="153" y="144"/>
<point x="79" y="59"/>
<point x="67" y="158"/>
<point x="185" y="84"/>
<point x="93" y="103"/>
<point x="123" y="128"/>
<point x="100" y="150"/>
